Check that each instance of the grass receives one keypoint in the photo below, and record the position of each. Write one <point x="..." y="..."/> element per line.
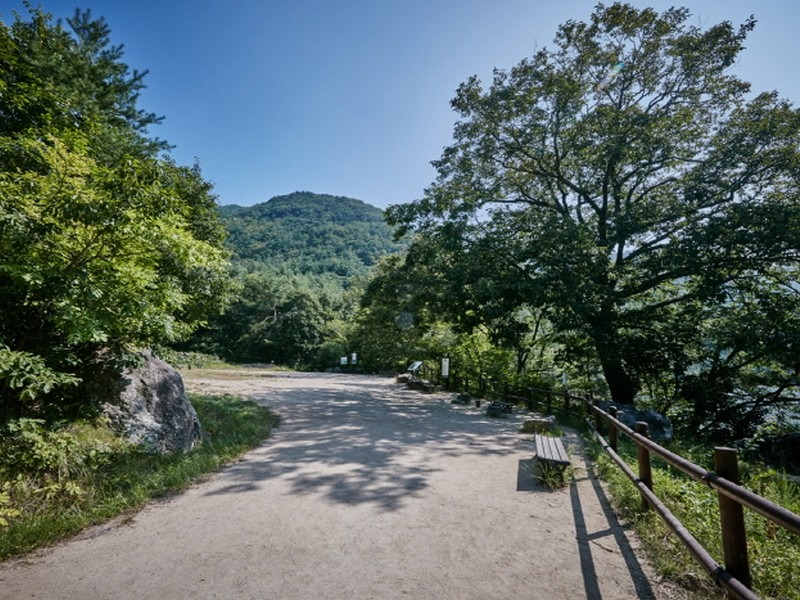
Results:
<point x="773" y="552"/>
<point x="55" y="483"/>
<point x="553" y="477"/>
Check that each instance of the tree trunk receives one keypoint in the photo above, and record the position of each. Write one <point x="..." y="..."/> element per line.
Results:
<point x="623" y="387"/>
<point x="621" y="383"/>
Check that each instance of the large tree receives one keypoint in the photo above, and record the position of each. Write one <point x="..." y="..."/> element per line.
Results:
<point x="104" y="245"/>
<point x="635" y="186"/>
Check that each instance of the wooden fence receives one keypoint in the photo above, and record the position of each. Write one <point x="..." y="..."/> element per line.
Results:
<point x="735" y="575"/>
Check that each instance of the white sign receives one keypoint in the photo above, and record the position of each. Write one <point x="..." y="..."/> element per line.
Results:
<point x="445" y="367"/>
<point x="343" y="360"/>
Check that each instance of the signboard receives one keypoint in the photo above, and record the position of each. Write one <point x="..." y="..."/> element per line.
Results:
<point x="446" y="366"/>
<point x="414" y="367"/>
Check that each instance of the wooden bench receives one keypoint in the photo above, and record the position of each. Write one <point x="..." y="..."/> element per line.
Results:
<point x="551" y="453"/>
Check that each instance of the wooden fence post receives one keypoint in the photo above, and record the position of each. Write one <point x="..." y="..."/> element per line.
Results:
<point x="643" y="454"/>
<point x="612" y="429"/>
<point x="731" y="516"/>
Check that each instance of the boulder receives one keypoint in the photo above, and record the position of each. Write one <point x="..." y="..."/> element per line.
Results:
<point x="496" y="410"/>
<point x="147" y="405"/>
<point x="539" y="425"/>
<point x="660" y="426"/>
<point x="463" y="398"/>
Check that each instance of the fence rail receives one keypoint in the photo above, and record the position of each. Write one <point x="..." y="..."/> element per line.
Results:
<point x="735" y="575"/>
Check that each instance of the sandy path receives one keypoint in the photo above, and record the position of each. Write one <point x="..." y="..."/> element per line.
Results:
<point x="366" y="490"/>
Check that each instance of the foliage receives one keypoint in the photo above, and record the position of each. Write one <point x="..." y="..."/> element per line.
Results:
<point x="31" y="449"/>
<point x="299" y="264"/>
<point x="58" y="81"/>
<point x="310" y="233"/>
<point x="652" y="214"/>
<point x="553" y="476"/>
<point x="389" y="325"/>
<point x="29" y="374"/>
<point x="56" y="480"/>
<point x="188" y="360"/>
<point x="400" y="321"/>
<point x="480" y="361"/>
<point x="6" y="512"/>
<point x="275" y="317"/>
<point x="103" y="245"/>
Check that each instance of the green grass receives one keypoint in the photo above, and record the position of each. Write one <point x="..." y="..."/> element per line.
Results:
<point x="55" y="483"/>
<point x="773" y="552"/>
<point x="553" y="477"/>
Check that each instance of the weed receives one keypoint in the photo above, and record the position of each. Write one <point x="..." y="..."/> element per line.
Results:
<point x="552" y="476"/>
<point x="56" y="481"/>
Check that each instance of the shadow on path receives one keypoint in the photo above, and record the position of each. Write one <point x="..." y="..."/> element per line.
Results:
<point x="365" y="442"/>
<point x="618" y="541"/>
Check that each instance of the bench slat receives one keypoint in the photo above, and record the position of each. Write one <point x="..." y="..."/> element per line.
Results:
<point x="551" y="449"/>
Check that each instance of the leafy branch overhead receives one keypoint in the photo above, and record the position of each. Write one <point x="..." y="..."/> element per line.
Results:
<point x="103" y="244"/>
<point x="638" y="208"/>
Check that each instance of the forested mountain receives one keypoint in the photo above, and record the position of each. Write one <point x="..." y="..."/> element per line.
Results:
<point x="310" y="234"/>
<point x="299" y="265"/>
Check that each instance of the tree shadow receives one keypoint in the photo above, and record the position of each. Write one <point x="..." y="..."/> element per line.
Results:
<point x="365" y="441"/>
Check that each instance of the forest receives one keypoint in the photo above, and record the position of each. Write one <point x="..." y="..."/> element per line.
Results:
<point x="299" y="264"/>
<point x="617" y="215"/>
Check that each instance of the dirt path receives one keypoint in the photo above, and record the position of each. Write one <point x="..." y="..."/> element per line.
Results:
<point x="366" y="490"/>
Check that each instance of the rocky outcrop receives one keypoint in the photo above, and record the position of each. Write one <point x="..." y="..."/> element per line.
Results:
<point x="147" y="405"/>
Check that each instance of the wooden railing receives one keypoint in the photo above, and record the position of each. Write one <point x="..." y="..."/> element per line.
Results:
<point x="735" y="575"/>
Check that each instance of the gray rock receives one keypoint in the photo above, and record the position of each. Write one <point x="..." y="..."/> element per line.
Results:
<point x="463" y="398"/>
<point x="660" y="426"/>
<point x="539" y="425"/>
<point x="496" y="410"/>
<point x="147" y="405"/>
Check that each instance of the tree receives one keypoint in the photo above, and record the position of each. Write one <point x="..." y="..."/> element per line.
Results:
<point x="465" y="279"/>
<point x="632" y="184"/>
<point x="275" y="317"/>
<point x="103" y="245"/>
<point x="57" y="80"/>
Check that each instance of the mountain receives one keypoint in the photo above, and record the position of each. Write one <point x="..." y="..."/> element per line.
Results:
<point x="310" y="234"/>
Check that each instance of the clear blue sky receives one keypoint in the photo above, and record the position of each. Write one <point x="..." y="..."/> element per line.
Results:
<point x="351" y="97"/>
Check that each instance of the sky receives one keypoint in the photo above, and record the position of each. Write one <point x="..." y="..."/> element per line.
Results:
<point x="352" y="97"/>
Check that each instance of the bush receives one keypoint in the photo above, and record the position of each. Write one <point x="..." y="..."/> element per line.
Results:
<point x="56" y="480"/>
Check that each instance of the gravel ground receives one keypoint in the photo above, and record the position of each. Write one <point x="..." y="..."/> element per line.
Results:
<point x="365" y="490"/>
